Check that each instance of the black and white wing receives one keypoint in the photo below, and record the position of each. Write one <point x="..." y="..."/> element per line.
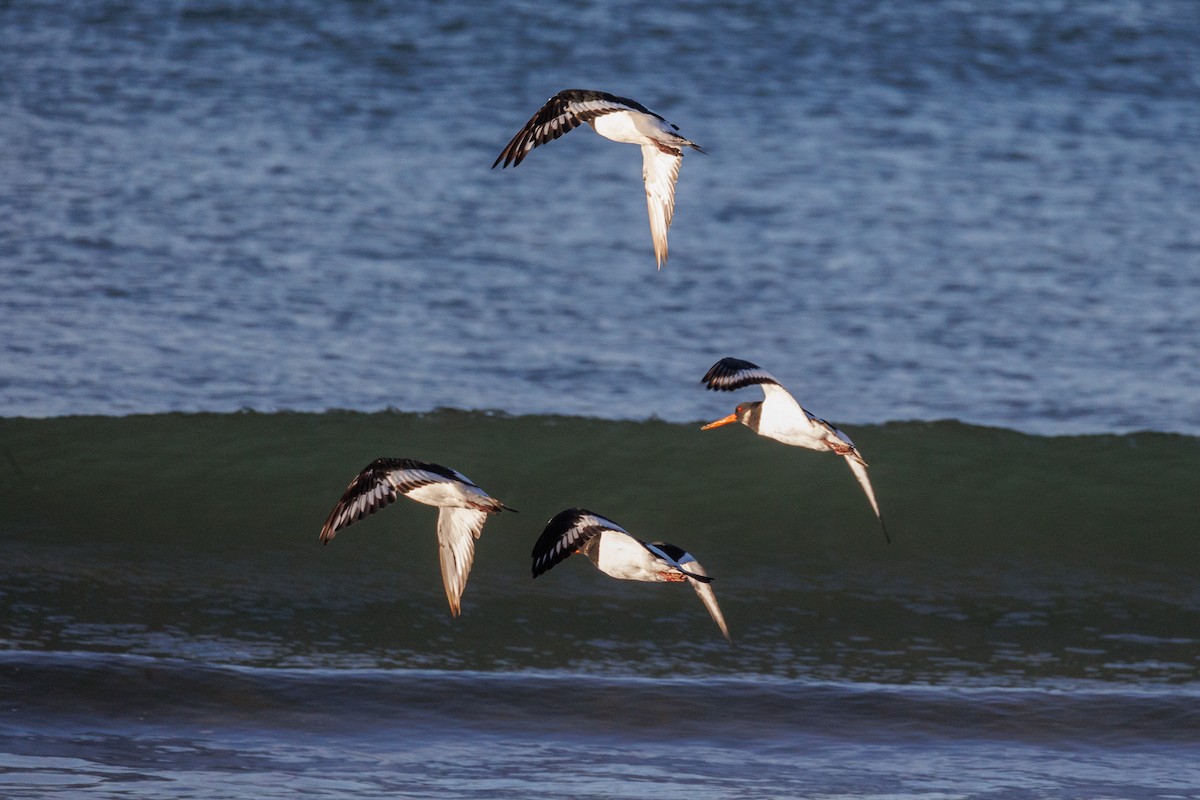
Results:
<point x="561" y="114"/>
<point x="458" y="528"/>
<point x="676" y="557"/>
<point x="696" y="575"/>
<point x="567" y="532"/>
<point x="731" y="374"/>
<point x="379" y="484"/>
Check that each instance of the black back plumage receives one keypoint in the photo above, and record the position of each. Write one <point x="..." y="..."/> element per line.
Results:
<point x="566" y="532"/>
<point x="671" y="551"/>
<point x="371" y="489"/>
<point x="561" y="114"/>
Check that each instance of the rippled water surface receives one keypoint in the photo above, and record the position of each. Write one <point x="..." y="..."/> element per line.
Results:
<point x="953" y="210"/>
<point x="909" y="213"/>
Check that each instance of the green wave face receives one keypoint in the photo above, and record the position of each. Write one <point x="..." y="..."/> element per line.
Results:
<point x="1013" y="557"/>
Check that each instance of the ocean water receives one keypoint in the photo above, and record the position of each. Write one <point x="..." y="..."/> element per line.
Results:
<point x="173" y="627"/>
<point x="247" y="247"/>
<point x="961" y="210"/>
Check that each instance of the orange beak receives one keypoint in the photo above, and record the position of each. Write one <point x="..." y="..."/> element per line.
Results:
<point x="720" y="422"/>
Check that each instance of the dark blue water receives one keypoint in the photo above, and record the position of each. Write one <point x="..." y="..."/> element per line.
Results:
<point x="958" y="210"/>
<point x="173" y="627"/>
<point x="949" y="210"/>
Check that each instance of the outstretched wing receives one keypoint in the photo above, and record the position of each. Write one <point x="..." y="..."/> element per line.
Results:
<point x="384" y="480"/>
<point x="705" y="592"/>
<point x="567" y="532"/>
<point x="458" y="528"/>
<point x="731" y="374"/>
<point x="561" y="114"/>
<point x="859" y="468"/>
<point x="660" y="171"/>
<point x="696" y="575"/>
<point x="378" y="485"/>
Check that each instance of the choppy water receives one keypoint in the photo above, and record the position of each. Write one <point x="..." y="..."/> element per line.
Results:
<point x="959" y="210"/>
<point x="273" y="733"/>
<point x="945" y="211"/>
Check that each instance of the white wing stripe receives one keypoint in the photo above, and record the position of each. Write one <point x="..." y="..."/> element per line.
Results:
<point x="600" y="106"/>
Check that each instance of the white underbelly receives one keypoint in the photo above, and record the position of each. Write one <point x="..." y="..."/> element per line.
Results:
<point x="441" y="494"/>
<point x="621" y="126"/>
<point x="623" y="557"/>
<point x="799" y="438"/>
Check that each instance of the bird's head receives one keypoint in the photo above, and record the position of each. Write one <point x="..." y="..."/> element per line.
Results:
<point x="746" y="413"/>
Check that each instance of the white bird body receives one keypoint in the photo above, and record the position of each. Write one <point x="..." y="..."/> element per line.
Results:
<point x="636" y="127"/>
<point x="778" y="416"/>
<point x="617" y="553"/>
<point x="464" y="507"/>
<point x="618" y="119"/>
<point x="622" y="556"/>
<point x="448" y="494"/>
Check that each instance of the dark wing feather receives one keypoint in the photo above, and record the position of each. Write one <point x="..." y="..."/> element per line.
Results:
<point x="729" y="374"/>
<point x="676" y="554"/>
<point x="380" y="484"/>
<point x="425" y="466"/>
<point x="591" y="95"/>
<point x="561" y="114"/>
<point x="565" y="533"/>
